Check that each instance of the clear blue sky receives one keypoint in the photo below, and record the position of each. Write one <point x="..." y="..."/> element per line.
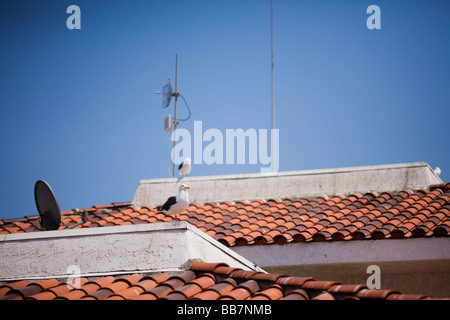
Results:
<point x="78" y="107"/>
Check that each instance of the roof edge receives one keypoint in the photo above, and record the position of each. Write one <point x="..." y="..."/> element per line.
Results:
<point x="110" y="250"/>
<point x="303" y="183"/>
<point x="293" y="173"/>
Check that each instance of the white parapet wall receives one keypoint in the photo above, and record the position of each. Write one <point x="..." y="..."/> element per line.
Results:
<point x="412" y="265"/>
<point x="349" y="251"/>
<point x="306" y="183"/>
<point x="144" y="248"/>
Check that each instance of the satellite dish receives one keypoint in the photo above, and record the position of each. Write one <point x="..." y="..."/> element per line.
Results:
<point x="47" y="206"/>
<point x="167" y="94"/>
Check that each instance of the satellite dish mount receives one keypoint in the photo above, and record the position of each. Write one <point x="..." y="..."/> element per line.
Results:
<point x="48" y="208"/>
<point x="170" y="121"/>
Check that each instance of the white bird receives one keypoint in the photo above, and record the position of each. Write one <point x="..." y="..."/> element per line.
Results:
<point x="176" y="204"/>
<point x="438" y="171"/>
<point x="185" y="167"/>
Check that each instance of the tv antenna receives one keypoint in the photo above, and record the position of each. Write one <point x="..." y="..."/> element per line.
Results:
<point x="272" y="78"/>
<point x="48" y="208"/>
<point x="167" y="94"/>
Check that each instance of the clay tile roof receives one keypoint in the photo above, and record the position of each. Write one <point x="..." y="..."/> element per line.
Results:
<point x="30" y="289"/>
<point x="354" y="217"/>
<point x="272" y="292"/>
<point x="5" y="287"/>
<point x="375" y="294"/>
<point x="297" y="294"/>
<point x="204" y="281"/>
<point x="403" y="214"/>
<point x="324" y="296"/>
<point x="206" y="267"/>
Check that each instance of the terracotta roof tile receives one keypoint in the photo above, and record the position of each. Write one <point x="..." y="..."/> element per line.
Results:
<point x="324" y="296"/>
<point x="155" y="293"/>
<point x="272" y="292"/>
<point x="404" y="214"/>
<point x="319" y="285"/>
<point x="297" y="294"/>
<point x="53" y="292"/>
<point x="207" y="267"/>
<point x="396" y="296"/>
<point x="185" y="292"/>
<point x="375" y="294"/>
<point x="17" y="292"/>
<point x="216" y="291"/>
<point x="204" y="281"/>
<point x="236" y="294"/>
<point x="294" y="281"/>
<point x="346" y="289"/>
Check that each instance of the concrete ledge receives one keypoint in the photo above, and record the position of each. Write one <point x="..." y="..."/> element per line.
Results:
<point x="326" y="252"/>
<point x="306" y="183"/>
<point x="144" y="248"/>
<point x="412" y="266"/>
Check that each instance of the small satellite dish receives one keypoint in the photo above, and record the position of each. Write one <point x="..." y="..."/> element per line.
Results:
<point x="167" y="94"/>
<point x="47" y="206"/>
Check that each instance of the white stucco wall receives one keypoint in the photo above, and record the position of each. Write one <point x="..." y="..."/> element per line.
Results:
<point x="168" y="246"/>
<point x="332" y="252"/>
<point x="412" y="266"/>
<point x="380" y="178"/>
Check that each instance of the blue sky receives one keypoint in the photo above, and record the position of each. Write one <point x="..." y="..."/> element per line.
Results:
<point x="78" y="107"/>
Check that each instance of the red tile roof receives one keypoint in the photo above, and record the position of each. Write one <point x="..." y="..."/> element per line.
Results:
<point x="203" y="281"/>
<point x="404" y="214"/>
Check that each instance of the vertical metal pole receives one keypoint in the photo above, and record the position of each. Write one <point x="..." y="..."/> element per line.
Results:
<point x="175" y="116"/>
<point x="273" y="82"/>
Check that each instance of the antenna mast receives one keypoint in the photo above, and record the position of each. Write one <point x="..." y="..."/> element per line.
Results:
<point x="168" y="122"/>
<point x="175" y="122"/>
<point x="273" y="82"/>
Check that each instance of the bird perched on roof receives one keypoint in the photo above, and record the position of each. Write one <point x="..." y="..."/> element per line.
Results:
<point x="176" y="204"/>
<point x="438" y="171"/>
<point x="185" y="167"/>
